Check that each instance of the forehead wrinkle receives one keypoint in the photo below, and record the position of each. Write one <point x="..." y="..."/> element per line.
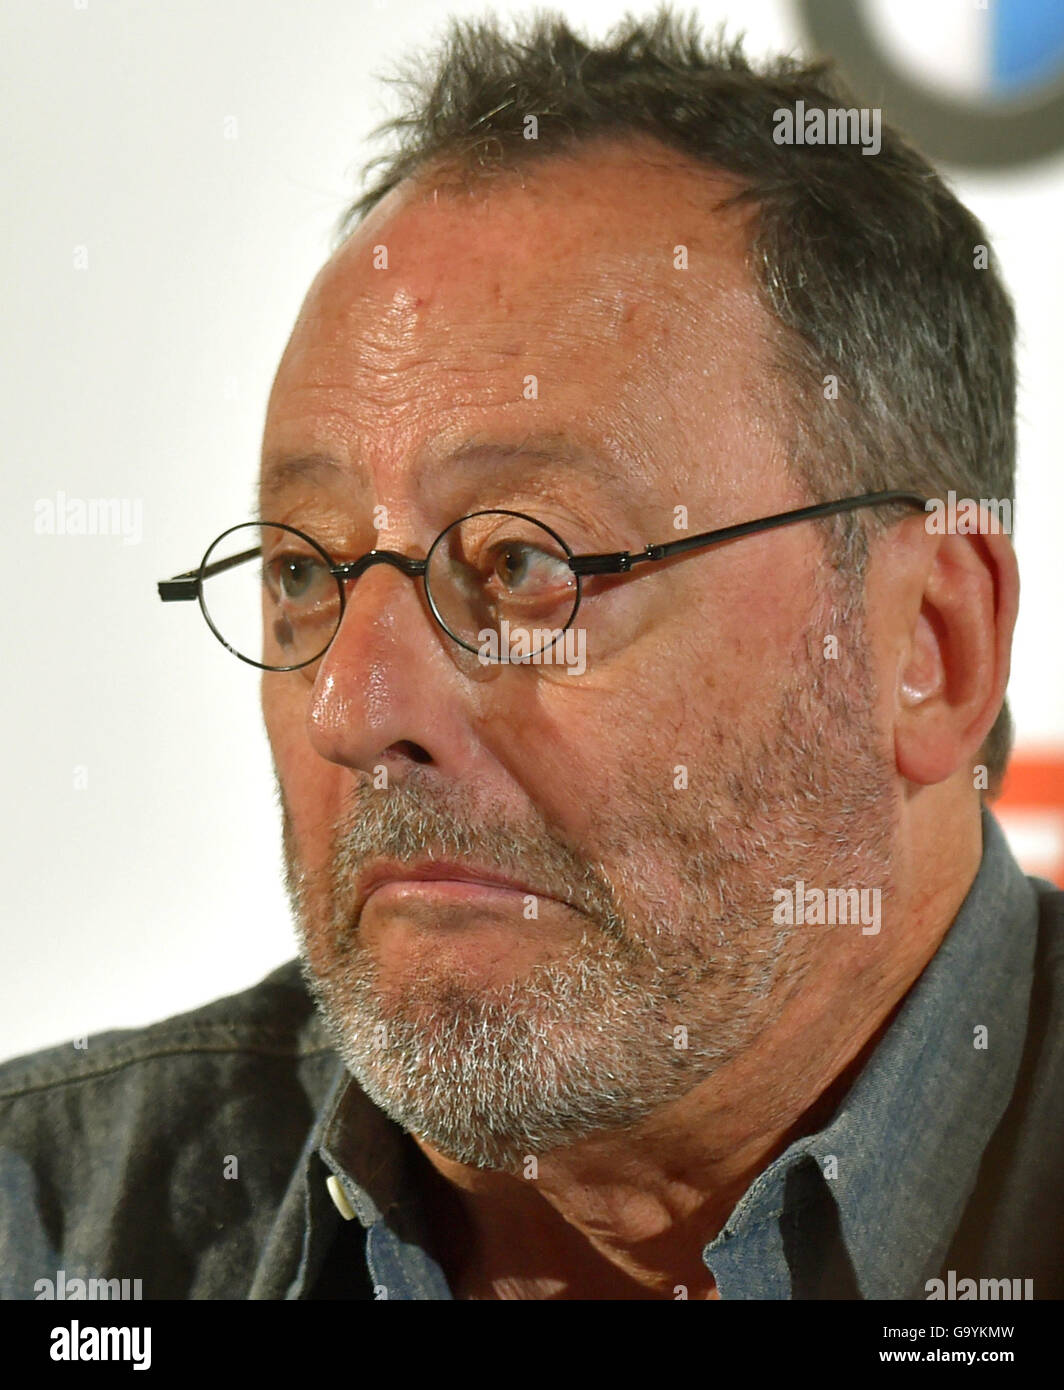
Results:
<point x="603" y="465"/>
<point x="485" y="251"/>
<point x="451" y="305"/>
<point x="448" y="308"/>
<point x="434" y="270"/>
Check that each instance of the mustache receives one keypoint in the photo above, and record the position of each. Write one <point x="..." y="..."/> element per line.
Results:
<point x="413" y="821"/>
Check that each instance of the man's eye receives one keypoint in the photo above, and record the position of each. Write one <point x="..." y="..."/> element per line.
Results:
<point x="526" y="569"/>
<point x="297" y="578"/>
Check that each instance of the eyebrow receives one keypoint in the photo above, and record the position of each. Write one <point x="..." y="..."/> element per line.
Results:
<point x="278" y="472"/>
<point x="548" y="446"/>
<point x="545" y="448"/>
<point x="281" y="470"/>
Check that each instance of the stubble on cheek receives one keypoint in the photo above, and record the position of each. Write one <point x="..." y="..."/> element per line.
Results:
<point x="679" y="931"/>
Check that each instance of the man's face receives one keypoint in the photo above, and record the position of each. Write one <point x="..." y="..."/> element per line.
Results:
<point x="544" y="349"/>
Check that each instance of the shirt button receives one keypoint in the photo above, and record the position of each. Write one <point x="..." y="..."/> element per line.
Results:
<point x="339" y="1196"/>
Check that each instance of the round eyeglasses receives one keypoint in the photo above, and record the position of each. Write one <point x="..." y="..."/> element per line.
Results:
<point x="499" y="583"/>
<point x="275" y="598"/>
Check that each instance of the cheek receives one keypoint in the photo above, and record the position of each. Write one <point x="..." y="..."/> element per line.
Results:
<point x="618" y="744"/>
<point x="312" y="787"/>
<point x="582" y="752"/>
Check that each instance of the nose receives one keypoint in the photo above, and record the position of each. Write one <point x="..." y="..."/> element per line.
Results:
<point x="386" y="693"/>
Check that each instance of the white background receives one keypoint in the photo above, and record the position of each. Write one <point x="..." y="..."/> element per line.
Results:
<point x="141" y="865"/>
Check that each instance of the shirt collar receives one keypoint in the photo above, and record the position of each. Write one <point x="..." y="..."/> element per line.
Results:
<point x="901" y="1155"/>
<point x="383" y="1176"/>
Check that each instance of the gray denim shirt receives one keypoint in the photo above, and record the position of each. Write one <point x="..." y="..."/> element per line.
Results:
<point x="193" y="1155"/>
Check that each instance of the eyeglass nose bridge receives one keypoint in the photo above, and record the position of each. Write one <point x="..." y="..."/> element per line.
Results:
<point x="355" y="568"/>
<point x="412" y="568"/>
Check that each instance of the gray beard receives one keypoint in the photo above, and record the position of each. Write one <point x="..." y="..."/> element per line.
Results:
<point x="493" y="1077"/>
<point x="665" y="987"/>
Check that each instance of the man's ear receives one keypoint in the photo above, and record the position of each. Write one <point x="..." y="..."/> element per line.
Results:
<point x="954" y="658"/>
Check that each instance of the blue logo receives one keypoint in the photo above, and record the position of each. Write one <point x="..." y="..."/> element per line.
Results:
<point x="1026" y="45"/>
<point x="1014" y="112"/>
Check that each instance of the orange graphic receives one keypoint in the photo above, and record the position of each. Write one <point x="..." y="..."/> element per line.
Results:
<point x="1031" y="811"/>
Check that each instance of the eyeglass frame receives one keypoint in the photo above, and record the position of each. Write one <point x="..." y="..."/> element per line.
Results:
<point x="189" y="585"/>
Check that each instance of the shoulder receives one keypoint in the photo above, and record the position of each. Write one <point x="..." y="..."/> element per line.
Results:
<point x="1051" y="921"/>
<point x="163" y="1151"/>
<point x="1044" y="1062"/>
<point x="1034" y="1121"/>
<point x="1045" y="1048"/>
<point x="274" y="1017"/>
<point x="1014" y="1223"/>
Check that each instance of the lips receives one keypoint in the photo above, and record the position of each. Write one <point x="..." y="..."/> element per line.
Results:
<point x="377" y="875"/>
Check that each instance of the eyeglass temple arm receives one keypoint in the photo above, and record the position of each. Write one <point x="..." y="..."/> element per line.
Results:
<point x="186" y="586"/>
<point x="619" y="562"/>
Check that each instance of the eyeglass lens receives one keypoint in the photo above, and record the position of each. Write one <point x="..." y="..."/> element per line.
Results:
<point x="496" y="582"/>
